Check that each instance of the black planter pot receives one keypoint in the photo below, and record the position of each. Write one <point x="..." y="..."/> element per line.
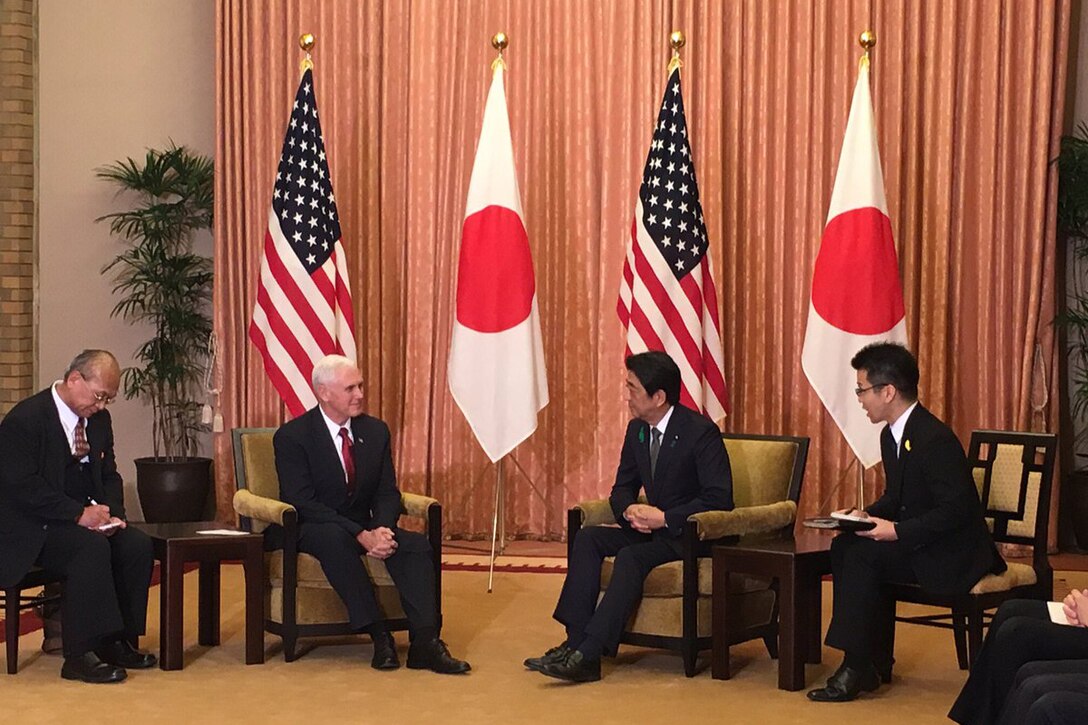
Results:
<point x="173" y="490"/>
<point x="1076" y="497"/>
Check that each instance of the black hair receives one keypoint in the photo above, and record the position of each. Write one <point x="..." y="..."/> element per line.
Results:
<point x="889" y="363"/>
<point x="656" y="371"/>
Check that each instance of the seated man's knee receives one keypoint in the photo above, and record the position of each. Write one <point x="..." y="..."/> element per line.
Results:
<point x="629" y="562"/>
<point x="587" y="540"/>
<point x="93" y="553"/>
<point x="327" y="538"/>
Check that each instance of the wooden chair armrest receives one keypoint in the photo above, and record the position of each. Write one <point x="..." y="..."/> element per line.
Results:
<point x="261" y="508"/>
<point x="745" y="520"/>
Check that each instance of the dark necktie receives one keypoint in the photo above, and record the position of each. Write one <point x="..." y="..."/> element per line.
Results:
<point x="655" y="448"/>
<point x="349" y="460"/>
<point x="80" y="447"/>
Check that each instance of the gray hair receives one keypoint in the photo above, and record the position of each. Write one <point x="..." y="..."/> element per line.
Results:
<point x="326" y="368"/>
<point x="89" y="362"/>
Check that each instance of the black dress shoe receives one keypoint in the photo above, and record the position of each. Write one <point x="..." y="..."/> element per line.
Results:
<point x="385" y="652"/>
<point x="88" y="667"/>
<point x="552" y="657"/>
<point x="575" y="668"/>
<point x="435" y="656"/>
<point x="120" y="653"/>
<point x="846" y="684"/>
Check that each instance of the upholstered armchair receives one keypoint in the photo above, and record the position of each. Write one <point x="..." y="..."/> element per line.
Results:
<point x="675" y="609"/>
<point x="299" y="601"/>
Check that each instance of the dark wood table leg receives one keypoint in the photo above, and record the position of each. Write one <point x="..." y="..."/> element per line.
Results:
<point x="814" y="615"/>
<point x="719" y="618"/>
<point x="209" y="603"/>
<point x="791" y="663"/>
<point x="171" y="609"/>
<point x="253" y="566"/>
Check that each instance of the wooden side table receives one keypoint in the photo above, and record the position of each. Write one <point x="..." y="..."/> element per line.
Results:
<point x="798" y="565"/>
<point x="178" y="543"/>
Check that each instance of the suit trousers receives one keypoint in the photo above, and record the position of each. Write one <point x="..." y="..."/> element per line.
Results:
<point x="1036" y="681"/>
<point x="863" y="614"/>
<point x="105" y="583"/>
<point x="1020" y="632"/>
<point x="411" y="567"/>
<point x="636" y="555"/>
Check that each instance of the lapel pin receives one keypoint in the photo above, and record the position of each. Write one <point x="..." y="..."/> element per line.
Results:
<point x="906" y="443"/>
<point x="641" y="435"/>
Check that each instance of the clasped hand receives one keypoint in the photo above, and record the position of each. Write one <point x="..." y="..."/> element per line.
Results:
<point x="379" y="543"/>
<point x="1075" y="606"/>
<point x="644" y="518"/>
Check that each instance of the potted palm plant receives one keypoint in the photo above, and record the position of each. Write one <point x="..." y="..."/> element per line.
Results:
<point x="1072" y="222"/>
<point x="163" y="283"/>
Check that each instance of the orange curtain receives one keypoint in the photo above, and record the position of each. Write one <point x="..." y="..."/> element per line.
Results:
<point x="968" y="101"/>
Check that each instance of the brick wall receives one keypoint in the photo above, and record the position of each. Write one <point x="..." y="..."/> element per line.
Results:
<point x="18" y="37"/>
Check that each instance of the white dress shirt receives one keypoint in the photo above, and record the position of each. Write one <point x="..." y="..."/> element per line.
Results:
<point x="68" y="421"/>
<point x="899" y="425"/>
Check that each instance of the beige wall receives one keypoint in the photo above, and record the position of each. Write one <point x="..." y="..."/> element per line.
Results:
<point x="116" y="76"/>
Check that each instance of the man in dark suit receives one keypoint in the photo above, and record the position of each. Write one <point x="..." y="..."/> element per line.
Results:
<point x="929" y="527"/>
<point x="678" y="457"/>
<point x="62" y="509"/>
<point x="1026" y="655"/>
<point x="335" y="466"/>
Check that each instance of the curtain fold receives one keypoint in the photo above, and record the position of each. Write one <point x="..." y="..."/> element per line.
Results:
<point x="968" y="99"/>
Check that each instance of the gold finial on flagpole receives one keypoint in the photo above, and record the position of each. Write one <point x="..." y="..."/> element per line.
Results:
<point x="306" y="42"/>
<point x="866" y="40"/>
<point x="676" y="42"/>
<point x="499" y="41"/>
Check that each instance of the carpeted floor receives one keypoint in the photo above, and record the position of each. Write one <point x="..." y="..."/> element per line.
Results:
<point x="333" y="683"/>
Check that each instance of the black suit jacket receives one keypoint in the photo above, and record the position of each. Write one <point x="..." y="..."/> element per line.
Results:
<point x="931" y="495"/>
<point x="693" y="473"/>
<point x="33" y="455"/>
<point x="312" y="477"/>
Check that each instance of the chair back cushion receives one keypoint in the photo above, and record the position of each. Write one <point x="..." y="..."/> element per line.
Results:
<point x="1013" y="473"/>
<point x="255" y="465"/>
<point x="763" y="469"/>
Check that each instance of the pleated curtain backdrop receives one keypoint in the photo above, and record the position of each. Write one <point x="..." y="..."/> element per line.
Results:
<point x="969" y="101"/>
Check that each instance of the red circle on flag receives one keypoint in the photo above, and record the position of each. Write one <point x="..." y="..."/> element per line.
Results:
<point x="495" y="283"/>
<point x="855" y="285"/>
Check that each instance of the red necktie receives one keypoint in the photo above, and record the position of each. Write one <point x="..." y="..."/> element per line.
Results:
<point x="80" y="447"/>
<point x="349" y="460"/>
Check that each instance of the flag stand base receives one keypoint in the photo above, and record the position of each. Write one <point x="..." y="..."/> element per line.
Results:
<point x="498" y="520"/>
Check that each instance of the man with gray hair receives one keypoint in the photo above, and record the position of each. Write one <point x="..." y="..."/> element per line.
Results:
<point x="62" y="509"/>
<point x="335" y="467"/>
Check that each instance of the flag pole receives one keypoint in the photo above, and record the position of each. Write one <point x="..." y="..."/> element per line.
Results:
<point x="306" y="42"/>
<point x="861" y="486"/>
<point x="497" y="522"/>
<point x="676" y="42"/>
<point x="499" y="41"/>
<point x="867" y="40"/>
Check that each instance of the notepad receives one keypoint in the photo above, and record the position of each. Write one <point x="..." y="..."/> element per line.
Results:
<point x="1057" y="614"/>
<point x="222" y="532"/>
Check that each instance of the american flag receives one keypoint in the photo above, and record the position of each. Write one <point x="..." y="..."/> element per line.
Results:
<point x="667" y="297"/>
<point x="303" y="309"/>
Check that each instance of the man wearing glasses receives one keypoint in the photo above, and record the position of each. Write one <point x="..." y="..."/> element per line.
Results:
<point x="62" y="509"/>
<point x="929" y="527"/>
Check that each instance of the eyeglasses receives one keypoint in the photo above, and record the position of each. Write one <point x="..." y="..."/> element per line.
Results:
<point x="100" y="396"/>
<point x="874" y="386"/>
